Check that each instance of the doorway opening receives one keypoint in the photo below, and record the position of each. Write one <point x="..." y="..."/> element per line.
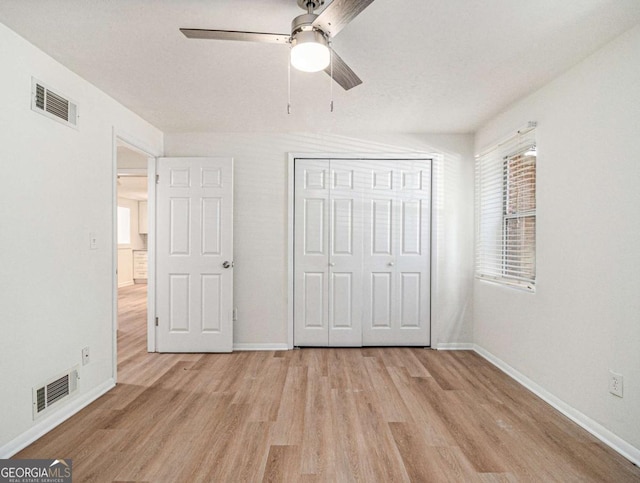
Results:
<point x="133" y="286"/>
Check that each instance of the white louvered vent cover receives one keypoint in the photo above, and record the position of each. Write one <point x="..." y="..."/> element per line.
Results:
<point x="54" y="391"/>
<point x="53" y="105"/>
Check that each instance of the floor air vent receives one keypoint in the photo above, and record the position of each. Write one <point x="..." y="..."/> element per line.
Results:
<point x="53" y="391"/>
<point x="53" y="104"/>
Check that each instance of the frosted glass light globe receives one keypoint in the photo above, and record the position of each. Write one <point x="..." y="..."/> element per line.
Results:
<point x="309" y="52"/>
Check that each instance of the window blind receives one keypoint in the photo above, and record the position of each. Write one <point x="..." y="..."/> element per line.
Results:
<point x="505" y="178"/>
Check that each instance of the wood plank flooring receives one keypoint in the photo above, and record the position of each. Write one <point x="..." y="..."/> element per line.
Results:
<point x="319" y="415"/>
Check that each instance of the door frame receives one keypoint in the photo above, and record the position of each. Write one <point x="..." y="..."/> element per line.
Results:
<point x="436" y="161"/>
<point x="122" y="137"/>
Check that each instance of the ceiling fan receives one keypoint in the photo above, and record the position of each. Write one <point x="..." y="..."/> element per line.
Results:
<point x="310" y="38"/>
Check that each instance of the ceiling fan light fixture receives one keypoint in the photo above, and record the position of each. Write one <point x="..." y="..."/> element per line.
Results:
<point x="309" y="51"/>
<point x="310" y="39"/>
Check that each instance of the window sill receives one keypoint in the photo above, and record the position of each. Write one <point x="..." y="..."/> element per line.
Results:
<point x="521" y="286"/>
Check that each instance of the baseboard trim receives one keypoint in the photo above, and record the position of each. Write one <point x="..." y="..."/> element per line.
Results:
<point x="455" y="346"/>
<point x="603" y="434"/>
<point x="43" y="427"/>
<point x="260" y="347"/>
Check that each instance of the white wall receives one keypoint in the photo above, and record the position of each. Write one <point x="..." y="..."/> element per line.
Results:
<point x="55" y="293"/>
<point x="260" y="221"/>
<point x="125" y="267"/>
<point x="138" y="242"/>
<point x="584" y="318"/>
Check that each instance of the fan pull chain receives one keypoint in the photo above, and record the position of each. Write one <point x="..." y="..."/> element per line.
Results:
<point x="331" y="80"/>
<point x="289" y="87"/>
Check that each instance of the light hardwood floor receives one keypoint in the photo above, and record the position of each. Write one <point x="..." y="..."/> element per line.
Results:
<point x="329" y="415"/>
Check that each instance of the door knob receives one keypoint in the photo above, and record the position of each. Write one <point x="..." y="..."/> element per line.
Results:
<point x="332" y="264"/>
<point x="226" y="264"/>
<point x="390" y="264"/>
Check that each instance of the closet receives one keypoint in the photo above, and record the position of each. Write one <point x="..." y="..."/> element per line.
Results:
<point x="362" y="252"/>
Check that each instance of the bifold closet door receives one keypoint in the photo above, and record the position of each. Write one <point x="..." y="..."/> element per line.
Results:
<point x="362" y="252"/>
<point x="397" y="253"/>
<point x="328" y="254"/>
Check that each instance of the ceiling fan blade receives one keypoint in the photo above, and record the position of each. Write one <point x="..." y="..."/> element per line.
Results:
<point x="342" y="73"/>
<point x="338" y="14"/>
<point x="235" y="35"/>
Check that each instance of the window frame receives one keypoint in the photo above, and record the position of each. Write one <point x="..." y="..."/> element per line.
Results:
<point x="500" y="257"/>
<point x="120" y="224"/>
<point x="517" y="215"/>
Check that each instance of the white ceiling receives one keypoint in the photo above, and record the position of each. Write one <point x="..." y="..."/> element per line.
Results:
<point x="132" y="187"/>
<point x="129" y="159"/>
<point x="427" y="66"/>
<point x="132" y="174"/>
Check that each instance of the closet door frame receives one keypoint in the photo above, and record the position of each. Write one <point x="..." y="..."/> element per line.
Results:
<point x="436" y="169"/>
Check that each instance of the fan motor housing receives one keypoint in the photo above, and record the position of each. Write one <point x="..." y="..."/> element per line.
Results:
<point x="314" y="36"/>
<point x="314" y="4"/>
<point x="302" y="22"/>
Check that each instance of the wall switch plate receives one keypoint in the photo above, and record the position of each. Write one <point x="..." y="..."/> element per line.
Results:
<point x="93" y="241"/>
<point x="615" y="384"/>
<point x="85" y="356"/>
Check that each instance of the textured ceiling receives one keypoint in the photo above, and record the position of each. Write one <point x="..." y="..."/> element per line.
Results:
<point x="132" y="169"/>
<point x="132" y="187"/>
<point x="427" y="66"/>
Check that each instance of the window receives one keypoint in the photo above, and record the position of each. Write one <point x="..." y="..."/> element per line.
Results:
<point x="506" y="212"/>
<point x="124" y="225"/>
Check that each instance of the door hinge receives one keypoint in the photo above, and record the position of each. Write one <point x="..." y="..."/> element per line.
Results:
<point x="157" y="178"/>
<point x="156" y="321"/>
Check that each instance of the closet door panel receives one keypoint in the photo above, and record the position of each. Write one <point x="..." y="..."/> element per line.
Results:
<point x="413" y="255"/>
<point x="311" y="253"/>
<point x="345" y="257"/>
<point x="379" y="242"/>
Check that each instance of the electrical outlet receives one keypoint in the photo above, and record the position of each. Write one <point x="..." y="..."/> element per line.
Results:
<point x="615" y="384"/>
<point x="85" y="356"/>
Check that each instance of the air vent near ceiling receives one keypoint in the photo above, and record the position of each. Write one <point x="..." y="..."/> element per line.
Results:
<point x="54" y="391"/>
<point x="52" y="104"/>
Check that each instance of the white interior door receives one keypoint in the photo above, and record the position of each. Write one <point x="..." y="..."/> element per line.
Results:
<point x="362" y="252"/>
<point x="194" y="255"/>
<point x="397" y="253"/>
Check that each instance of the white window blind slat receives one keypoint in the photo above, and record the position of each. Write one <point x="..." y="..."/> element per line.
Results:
<point x="506" y="211"/>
